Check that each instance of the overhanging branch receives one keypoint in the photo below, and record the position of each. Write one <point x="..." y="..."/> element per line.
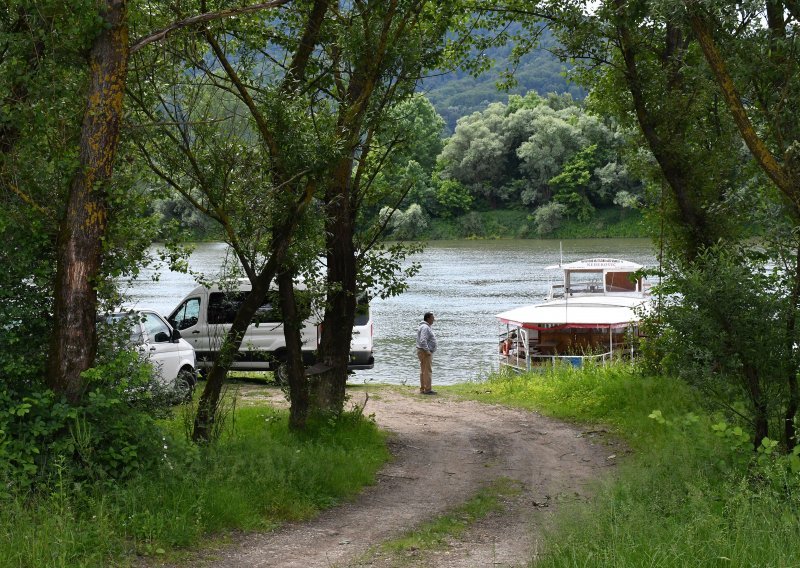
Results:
<point x="161" y="34"/>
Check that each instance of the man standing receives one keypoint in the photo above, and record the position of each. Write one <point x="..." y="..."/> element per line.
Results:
<point x="426" y="345"/>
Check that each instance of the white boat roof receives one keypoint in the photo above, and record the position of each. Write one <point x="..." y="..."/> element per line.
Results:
<point x="600" y="311"/>
<point x="598" y="264"/>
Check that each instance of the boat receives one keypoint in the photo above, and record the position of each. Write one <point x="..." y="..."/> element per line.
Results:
<point x="593" y="313"/>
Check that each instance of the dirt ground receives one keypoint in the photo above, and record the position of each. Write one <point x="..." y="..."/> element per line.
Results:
<point x="444" y="450"/>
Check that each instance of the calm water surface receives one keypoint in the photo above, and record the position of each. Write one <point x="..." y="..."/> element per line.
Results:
<point x="464" y="283"/>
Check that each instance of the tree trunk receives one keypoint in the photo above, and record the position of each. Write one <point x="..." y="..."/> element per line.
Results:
<point x="209" y="400"/>
<point x="337" y="327"/>
<point x="671" y="163"/>
<point x="760" y="411"/>
<point x="292" y="322"/>
<point x="80" y="240"/>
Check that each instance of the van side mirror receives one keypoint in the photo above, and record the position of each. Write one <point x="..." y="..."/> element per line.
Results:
<point x="176" y="335"/>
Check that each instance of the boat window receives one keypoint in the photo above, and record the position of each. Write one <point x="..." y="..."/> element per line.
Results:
<point x="620" y="282"/>
<point x="585" y="282"/>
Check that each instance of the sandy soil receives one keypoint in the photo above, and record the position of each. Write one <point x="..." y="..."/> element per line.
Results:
<point x="444" y="451"/>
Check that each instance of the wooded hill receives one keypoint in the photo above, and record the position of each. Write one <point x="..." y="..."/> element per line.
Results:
<point x="459" y="94"/>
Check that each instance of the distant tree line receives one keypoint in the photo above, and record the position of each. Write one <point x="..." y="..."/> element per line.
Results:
<point x="547" y="156"/>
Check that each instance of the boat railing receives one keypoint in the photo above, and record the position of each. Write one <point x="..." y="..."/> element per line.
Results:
<point x="519" y="361"/>
<point x="559" y="290"/>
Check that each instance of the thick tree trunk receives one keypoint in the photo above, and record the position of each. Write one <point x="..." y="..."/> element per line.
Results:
<point x="80" y="240"/>
<point x="337" y="327"/>
<point x="292" y="322"/>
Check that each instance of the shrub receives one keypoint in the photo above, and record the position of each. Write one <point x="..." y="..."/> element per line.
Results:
<point x="548" y="218"/>
<point x="110" y="435"/>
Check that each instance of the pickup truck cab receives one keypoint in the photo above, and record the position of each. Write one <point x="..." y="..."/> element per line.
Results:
<point x="205" y="315"/>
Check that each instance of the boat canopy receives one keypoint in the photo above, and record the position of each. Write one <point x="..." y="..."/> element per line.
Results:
<point x="595" y="314"/>
<point x="598" y="265"/>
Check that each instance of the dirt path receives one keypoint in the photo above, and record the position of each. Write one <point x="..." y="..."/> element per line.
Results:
<point x="444" y="451"/>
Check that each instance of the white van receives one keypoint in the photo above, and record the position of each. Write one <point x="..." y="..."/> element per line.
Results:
<point x="205" y="315"/>
<point x="172" y="358"/>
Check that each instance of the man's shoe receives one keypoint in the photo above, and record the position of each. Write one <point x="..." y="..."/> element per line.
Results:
<point x="429" y="392"/>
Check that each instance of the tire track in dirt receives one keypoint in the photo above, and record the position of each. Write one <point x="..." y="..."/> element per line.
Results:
<point x="444" y="451"/>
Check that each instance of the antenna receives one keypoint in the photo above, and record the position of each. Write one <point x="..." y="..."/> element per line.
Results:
<point x="560" y="253"/>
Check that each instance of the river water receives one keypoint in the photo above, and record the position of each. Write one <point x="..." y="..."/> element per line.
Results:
<point x="464" y="283"/>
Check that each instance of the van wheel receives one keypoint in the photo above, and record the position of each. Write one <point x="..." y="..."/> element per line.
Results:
<point x="184" y="385"/>
<point x="281" y="374"/>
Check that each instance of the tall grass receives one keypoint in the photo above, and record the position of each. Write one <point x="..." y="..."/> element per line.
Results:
<point x="258" y="476"/>
<point x="683" y="498"/>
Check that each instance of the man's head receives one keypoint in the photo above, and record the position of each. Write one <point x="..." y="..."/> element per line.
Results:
<point x="428" y="317"/>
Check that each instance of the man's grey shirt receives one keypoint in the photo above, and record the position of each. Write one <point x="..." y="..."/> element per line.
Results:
<point x="425" y="338"/>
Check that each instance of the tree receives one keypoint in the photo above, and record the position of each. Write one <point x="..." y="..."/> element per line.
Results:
<point x="659" y="53"/>
<point x="727" y="317"/>
<point x="476" y="153"/>
<point x="377" y="59"/>
<point x="100" y="31"/>
<point x="249" y="160"/>
<point x="511" y="153"/>
<point x="766" y="64"/>
<point x="84" y="225"/>
<point x="643" y="71"/>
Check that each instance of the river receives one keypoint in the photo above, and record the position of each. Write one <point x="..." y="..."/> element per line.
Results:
<point x="464" y="283"/>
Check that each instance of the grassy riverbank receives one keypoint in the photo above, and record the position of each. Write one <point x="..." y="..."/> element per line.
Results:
<point x="258" y="476"/>
<point x="683" y="497"/>
<point x="514" y="224"/>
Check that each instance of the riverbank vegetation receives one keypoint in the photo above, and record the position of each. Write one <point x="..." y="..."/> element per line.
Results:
<point x="689" y="492"/>
<point x="258" y="476"/>
<point x="296" y="128"/>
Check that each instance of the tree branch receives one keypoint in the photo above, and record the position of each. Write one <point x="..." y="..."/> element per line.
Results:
<point x="161" y="34"/>
<point x="762" y="154"/>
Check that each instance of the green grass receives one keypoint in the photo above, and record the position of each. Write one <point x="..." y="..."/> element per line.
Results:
<point x="606" y="223"/>
<point x="436" y="533"/>
<point x="683" y="497"/>
<point x="257" y="477"/>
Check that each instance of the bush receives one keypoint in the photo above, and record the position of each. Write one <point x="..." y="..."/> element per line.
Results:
<point x="472" y="225"/>
<point x="406" y="225"/>
<point x="548" y="218"/>
<point x="110" y="435"/>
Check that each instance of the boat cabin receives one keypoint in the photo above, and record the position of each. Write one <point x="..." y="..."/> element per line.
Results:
<point x="592" y="314"/>
<point x="598" y="276"/>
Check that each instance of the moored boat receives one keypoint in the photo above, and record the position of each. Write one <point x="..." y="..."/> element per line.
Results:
<point x="592" y="314"/>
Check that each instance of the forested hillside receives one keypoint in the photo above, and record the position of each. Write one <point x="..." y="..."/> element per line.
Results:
<point x="459" y="94"/>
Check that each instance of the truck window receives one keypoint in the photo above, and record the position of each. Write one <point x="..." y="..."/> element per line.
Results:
<point x="362" y="310"/>
<point x="222" y="308"/>
<point x="186" y="315"/>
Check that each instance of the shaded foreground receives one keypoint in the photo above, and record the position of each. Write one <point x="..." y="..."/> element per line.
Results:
<point x="444" y="452"/>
